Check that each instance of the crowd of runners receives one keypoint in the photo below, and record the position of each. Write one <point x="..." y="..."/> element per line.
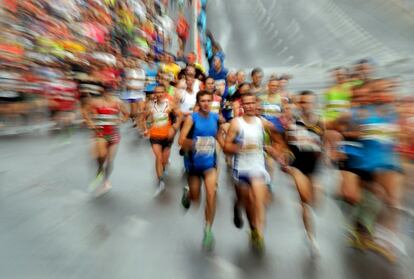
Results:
<point x="122" y="70"/>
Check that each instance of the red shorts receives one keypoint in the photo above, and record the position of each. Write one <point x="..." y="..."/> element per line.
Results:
<point x="112" y="137"/>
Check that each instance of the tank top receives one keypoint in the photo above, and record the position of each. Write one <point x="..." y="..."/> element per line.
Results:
<point x="251" y="158"/>
<point x="107" y="117"/>
<point x="378" y="136"/>
<point x="204" y="133"/>
<point x="271" y="111"/>
<point x="338" y="100"/>
<point x="161" y="122"/>
<point x="188" y="101"/>
<point x="304" y="136"/>
<point x="216" y="104"/>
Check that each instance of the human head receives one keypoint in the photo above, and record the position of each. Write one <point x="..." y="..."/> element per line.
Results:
<point x="204" y="100"/>
<point x="190" y="70"/>
<point x="283" y="80"/>
<point x="244" y="88"/>
<point x="257" y="77"/>
<point x="364" y="69"/>
<point x="240" y="76"/>
<point x="231" y="78"/>
<point x="210" y="84"/>
<point x="249" y="104"/>
<point x="217" y="62"/>
<point x="307" y="101"/>
<point x="159" y="92"/>
<point x="273" y="85"/>
<point x="189" y="79"/>
<point x="191" y="58"/>
<point x="340" y="75"/>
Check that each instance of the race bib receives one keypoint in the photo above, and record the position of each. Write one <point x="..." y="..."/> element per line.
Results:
<point x="382" y="132"/>
<point x="160" y="119"/>
<point x="205" y="145"/>
<point x="250" y="147"/>
<point x="271" y="110"/>
<point x="305" y="140"/>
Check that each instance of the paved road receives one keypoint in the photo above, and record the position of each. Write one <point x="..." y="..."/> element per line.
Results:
<point x="52" y="228"/>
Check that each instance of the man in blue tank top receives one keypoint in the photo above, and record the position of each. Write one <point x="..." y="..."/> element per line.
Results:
<point x="198" y="138"/>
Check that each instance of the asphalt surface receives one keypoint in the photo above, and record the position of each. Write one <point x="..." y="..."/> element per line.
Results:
<point x="53" y="228"/>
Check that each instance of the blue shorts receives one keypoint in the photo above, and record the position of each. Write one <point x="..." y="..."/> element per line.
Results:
<point x="245" y="179"/>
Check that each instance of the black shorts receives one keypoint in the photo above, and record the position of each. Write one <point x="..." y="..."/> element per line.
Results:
<point x="165" y="143"/>
<point x="364" y="175"/>
<point x="305" y="161"/>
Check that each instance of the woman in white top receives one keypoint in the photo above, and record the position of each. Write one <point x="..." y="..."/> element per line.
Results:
<point x="245" y="139"/>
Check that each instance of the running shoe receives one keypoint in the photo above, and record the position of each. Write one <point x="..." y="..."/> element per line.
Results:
<point x="314" y="248"/>
<point x="104" y="189"/>
<point x="185" y="200"/>
<point x="96" y="182"/>
<point x="208" y="240"/>
<point x="356" y="240"/>
<point x="383" y="250"/>
<point x="237" y="218"/>
<point x="160" y="188"/>
<point x="257" y="241"/>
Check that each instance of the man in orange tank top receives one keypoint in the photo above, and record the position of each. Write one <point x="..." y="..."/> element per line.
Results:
<point x="159" y="126"/>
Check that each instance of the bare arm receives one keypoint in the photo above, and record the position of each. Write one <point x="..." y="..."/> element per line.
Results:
<point x="186" y="143"/>
<point x="179" y="116"/>
<point x="86" y="114"/>
<point x="278" y="149"/>
<point x="124" y="111"/>
<point x="229" y="146"/>
<point x="144" y="117"/>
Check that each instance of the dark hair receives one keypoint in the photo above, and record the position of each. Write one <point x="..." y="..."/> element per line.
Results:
<point x="209" y="77"/>
<point x="201" y="94"/>
<point x="249" y="94"/>
<point x="363" y="61"/>
<point x="340" y="69"/>
<point x="307" y="93"/>
<point x="273" y="78"/>
<point x="256" y="70"/>
<point x="160" y="85"/>
<point x="236" y="95"/>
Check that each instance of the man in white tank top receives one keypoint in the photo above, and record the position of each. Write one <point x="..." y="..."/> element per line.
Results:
<point x="245" y="140"/>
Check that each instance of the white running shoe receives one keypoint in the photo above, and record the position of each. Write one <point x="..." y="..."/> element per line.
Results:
<point x="160" y="188"/>
<point x="314" y="248"/>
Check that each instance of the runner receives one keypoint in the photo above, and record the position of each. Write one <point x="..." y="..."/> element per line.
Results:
<point x="304" y="138"/>
<point x="379" y="136"/>
<point x="257" y="78"/>
<point x="245" y="141"/>
<point x="271" y="103"/>
<point x="135" y="83"/>
<point x="217" y="69"/>
<point x="240" y="76"/>
<point x="161" y="132"/>
<point x="198" y="138"/>
<point x="337" y="98"/>
<point x="102" y="115"/>
<point x="216" y="93"/>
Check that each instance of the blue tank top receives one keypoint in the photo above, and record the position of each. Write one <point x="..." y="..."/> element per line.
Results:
<point x="204" y="133"/>
<point x="151" y="74"/>
<point x="378" y="129"/>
